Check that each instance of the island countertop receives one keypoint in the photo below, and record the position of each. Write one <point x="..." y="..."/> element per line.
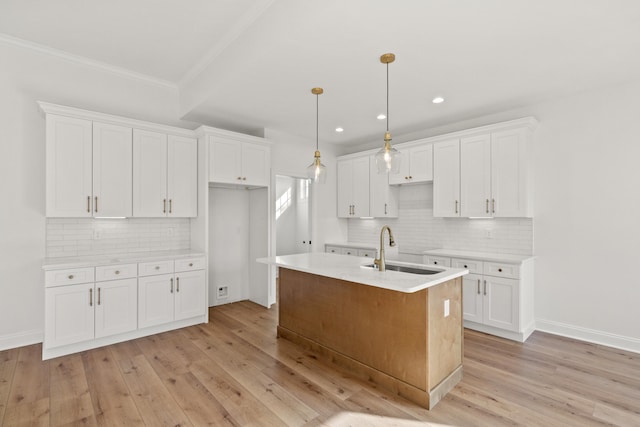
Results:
<point x="350" y="268"/>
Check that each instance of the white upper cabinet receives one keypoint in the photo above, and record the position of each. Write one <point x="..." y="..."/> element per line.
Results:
<point x="446" y="178"/>
<point x="416" y="165"/>
<point x="353" y="187"/>
<point x="475" y="176"/>
<point x="492" y="177"/>
<point x="182" y="176"/>
<point x="68" y="167"/>
<point x="236" y="162"/>
<point x="164" y="175"/>
<point x="112" y="170"/>
<point x="383" y="198"/>
<point x="510" y="174"/>
<point x="150" y="174"/>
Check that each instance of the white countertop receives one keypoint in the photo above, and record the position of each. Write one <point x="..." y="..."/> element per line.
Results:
<point x="353" y="245"/>
<point x="349" y="268"/>
<point x="95" y="260"/>
<point x="482" y="256"/>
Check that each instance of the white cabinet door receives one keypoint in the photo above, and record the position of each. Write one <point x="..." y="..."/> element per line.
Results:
<point x="112" y="170"/>
<point x="416" y="165"/>
<point x="225" y="161"/>
<point x="69" y="314"/>
<point x="68" y="167"/>
<point x="190" y="295"/>
<point x="360" y="192"/>
<point x="256" y="161"/>
<point x="345" y="188"/>
<point x="383" y="197"/>
<point x="182" y="176"/>
<point x="510" y="173"/>
<point x="446" y="179"/>
<point x="475" y="176"/>
<point x="472" y="297"/>
<point x="149" y="174"/>
<point x="155" y="300"/>
<point x="116" y="307"/>
<point x="501" y="303"/>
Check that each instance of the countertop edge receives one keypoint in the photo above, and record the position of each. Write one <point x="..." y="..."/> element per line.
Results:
<point x="100" y="260"/>
<point x="481" y="256"/>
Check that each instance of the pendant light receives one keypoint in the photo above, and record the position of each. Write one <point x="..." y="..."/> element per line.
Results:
<point x="388" y="158"/>
<point x="317" y="172"/>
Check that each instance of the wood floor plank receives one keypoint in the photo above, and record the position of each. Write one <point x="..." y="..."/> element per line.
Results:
<point x="154" y="402"/>
<point x="30" y="388"/>
<point x="220" y="373"/>
<point x="8" y="362"/>
<point x="70" y="398"/>
<point x="110" y="396"/>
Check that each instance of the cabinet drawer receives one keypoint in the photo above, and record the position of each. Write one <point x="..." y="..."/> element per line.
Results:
<point x="189" y="264"/>
<point x="155" y="267"/>
<point x="437" y="260"/>
<point x="501" y="270"/>
<point x="473" y="265"/>
<point x="333" y="249"/>
<point x="113" y="272"/>
<point x="69" y="276"/>
<point x="350" y="251"/>
<point x="368" y="253"/>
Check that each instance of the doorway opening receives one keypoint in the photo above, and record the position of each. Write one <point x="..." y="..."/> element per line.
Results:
<point x="292" y="215"/>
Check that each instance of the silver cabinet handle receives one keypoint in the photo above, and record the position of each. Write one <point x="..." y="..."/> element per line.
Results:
<point x="96" y="205"/>
<point x="164" y="205"/>
<point x="89" y="204"/>
<point x="485" y="287"/>
<point x="487" y="208"/>
<point x="90" y="297"/>
<point x="170" y="205"/>
<point x="493" y="205"/>
<point x="385" y="209"/>
<point x="177" y="284"/>
<point x="456" y="206"/>
<point x="478" y="286"/>
<point x="172" y="285"/>
<point x="98" y="296"/>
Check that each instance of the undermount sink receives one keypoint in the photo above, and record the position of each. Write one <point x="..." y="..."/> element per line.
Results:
<point x="405" y="269"/>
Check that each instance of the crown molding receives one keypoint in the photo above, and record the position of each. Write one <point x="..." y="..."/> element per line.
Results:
<point x="102" y="66"/>
<point x="204" y="131"/>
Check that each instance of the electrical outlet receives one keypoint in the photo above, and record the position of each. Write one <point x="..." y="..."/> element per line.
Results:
<point x="169" y="232"/>
<point x="97" y="235"/>
<point x="488" y="233"/>
<point x="223" y="292"/>
<point x="446" y="308"/>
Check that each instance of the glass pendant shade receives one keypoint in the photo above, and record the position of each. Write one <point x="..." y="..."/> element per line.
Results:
<point x="388" y="158"/>
<point x="316" y="171"/>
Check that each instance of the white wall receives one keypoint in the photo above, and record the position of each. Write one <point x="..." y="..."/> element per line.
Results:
<point x="286" y="223"/>
<point x="26" y="77"/>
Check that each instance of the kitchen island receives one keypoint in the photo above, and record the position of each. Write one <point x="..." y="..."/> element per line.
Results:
<point x="402" y="331"/>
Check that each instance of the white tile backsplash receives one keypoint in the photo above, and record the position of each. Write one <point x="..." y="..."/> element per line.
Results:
<point x="416" y="230"/>
<point x="89" y="236"/>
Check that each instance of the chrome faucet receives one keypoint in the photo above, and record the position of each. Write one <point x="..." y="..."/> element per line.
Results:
<point x="380" y="262"/>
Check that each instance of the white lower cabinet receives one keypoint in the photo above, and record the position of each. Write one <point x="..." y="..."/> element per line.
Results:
<point x="93" y="306"/>
<point x="497" y="297"/>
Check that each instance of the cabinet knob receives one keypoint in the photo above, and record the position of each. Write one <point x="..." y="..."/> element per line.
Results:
<point x="71" y="276"/>
<point x="500" y="270"/>
<point x="406" y="177"/>
<point x="117" y="271"/>
<point x="157" y="267"/>
<point x="410" y="177"/>
<point x="190" y="264"/>
<point x="435" y="262"/>
<point x="465" y="266"/>
<point x="239" y="177"/>
<point x="244" y="178"/>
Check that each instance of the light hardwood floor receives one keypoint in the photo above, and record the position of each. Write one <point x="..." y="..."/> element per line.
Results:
<point x="234" y="371"/>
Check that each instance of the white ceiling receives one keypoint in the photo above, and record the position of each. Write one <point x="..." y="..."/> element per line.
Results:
<point x="249" y="64"/>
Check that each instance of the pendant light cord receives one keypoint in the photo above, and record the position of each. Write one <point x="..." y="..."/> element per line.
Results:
<point x="317" y="125"/>
<point x="387" y="97"/>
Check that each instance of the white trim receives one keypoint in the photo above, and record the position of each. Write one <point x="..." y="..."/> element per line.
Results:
<point x="589" y="335"/>
<point x="203" y="131"/>
<point x="78" y="113"/>
<point x="503" y="333"/>
<point x="21" y="339"/>
<point x="245" y="22"/>
<point x="103" y="66"/>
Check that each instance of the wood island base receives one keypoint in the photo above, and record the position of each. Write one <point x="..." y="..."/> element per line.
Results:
<point x="400" y="341"/>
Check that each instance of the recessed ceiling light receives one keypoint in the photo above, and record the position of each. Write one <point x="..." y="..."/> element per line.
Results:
<point x="438" y="100"/>
<point x="339" y="130"/>
<point x="381" y="117"/>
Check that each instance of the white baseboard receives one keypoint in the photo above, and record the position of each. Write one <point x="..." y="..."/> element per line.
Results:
<point x="589" y="335"/>
<point x="20" y="339"/>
